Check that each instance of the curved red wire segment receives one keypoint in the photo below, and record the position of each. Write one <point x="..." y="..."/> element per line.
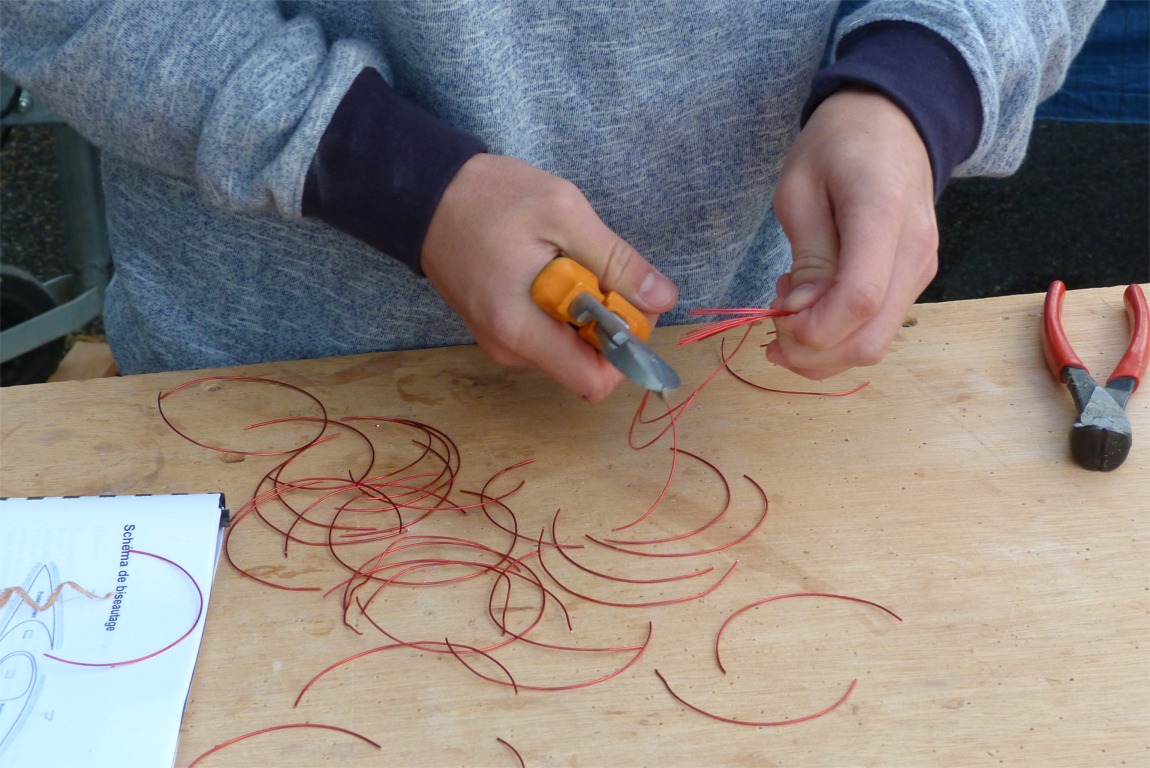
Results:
<point x="812" y="393"/>
<point x="670" y="473"/>
<point x="757" y="603"/>
<point x="609" y="577"/>
<point x="675" y="412"/>
<point x="346" y="512"/>
<point x="570" y="686"/>
<point x="485" y="655"/>
<point x="770" y="723"/>
<point x="533" y="578"/>
<point x="255" y="379"/>
<point x="739" y="316"/>
<point x="340" y="663"/>
<point x="262" y="731"/>
<point x="762" y="519"/>
<point x="718" y="658"/>
<point x="650" y="604"/>
<point x="546" y="593"/>
<point x="423" y="645"/>
<point x="514" y="751"/>
<point x="236" y="520"/>
<point x="169" y="646"/>
<point x="700" y="529"/>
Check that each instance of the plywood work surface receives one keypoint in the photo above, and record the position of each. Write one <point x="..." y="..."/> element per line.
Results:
<point x="943" y="491"/>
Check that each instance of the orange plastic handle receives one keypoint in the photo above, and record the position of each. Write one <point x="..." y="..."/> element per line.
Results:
<point x="563" y="280"/>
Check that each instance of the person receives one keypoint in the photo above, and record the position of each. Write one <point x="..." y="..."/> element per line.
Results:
<point x="287" y="180"/>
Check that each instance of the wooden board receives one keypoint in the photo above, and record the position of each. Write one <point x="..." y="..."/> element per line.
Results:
<point x="943" y="491"/>
<point x="85" y="360"/>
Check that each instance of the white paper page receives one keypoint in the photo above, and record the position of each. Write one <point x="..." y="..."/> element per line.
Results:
<point x="58" y="714"/>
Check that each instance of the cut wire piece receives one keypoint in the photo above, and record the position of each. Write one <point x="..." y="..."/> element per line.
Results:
<point x="696" y="553"/>
<point x="718" y="658"/>
<point x="766" y="723"/>
<point x="287" y="726"/>
<point x="514" y="751"/>
<point x="737" y="317"/>
<point x="169" y="646"/>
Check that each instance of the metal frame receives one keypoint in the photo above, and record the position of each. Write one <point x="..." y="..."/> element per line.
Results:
<point x="79" y="296"/>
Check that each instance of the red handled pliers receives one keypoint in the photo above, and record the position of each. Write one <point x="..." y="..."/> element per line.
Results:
<point x="1100" y="439"/>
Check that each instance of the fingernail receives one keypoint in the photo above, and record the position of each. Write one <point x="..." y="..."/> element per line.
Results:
<point x="656" y="290"/>
<point x="801" y="297"/>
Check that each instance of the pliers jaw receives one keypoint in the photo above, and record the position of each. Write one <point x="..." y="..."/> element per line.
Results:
<point x="1101" y="437"/>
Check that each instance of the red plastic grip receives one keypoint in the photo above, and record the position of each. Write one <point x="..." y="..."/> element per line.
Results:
<point x="1133" y="363"/>
<point x="1059" y="354"/>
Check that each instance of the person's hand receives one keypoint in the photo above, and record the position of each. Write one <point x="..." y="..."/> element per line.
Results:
<point x="501" y="221"/>
<point x="856" y="200"/>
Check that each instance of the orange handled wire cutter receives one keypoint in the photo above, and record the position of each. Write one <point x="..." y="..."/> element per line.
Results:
<point x="1100" y="439"/>
<point x="570" y="293"/>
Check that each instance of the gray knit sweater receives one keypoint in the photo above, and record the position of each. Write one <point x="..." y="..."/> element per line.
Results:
<point x="672" y="116"/>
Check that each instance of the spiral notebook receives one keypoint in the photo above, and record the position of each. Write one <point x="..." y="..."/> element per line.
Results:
<point x="106" y="600"/>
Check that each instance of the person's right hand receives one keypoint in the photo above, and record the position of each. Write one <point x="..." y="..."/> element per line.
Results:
<point x="499" y="222"/>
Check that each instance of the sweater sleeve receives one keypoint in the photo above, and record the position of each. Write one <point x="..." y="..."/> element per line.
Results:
<point x="1016" y="54"/>
<point x="381" y="168"/>
<point x="920" y="72"/>
<point x="233" y="97"/>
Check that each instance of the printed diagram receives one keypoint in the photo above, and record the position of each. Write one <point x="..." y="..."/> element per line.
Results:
<point x="26" y="634"/>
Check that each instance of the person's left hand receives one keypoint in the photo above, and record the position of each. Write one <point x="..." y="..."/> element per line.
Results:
<point x="856" y="201"/>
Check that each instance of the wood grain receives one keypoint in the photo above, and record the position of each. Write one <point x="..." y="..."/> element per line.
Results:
<point x="943" y="491"/>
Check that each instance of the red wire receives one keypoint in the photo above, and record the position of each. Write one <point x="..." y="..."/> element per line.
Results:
<point x="701" y="528"/>
<point x="696" y="553"/>
<point x="228" y="743"/>
<point x="719" y="636"/>
<point x="669" y="601"/>
<point x="256" y="379"/>
<point x="739" y="316"/>
<point x="169" y="646"/>
<point x="746" y="608"/>
<point x="600" y="574"/>
<point x="485" y="655"/>
<point x="354" y="502"/>
<point x="340" y="663"/>
<point x="772" y="723"/>
<point x="727" y="365"/>
<point x="575" y="686"/>
<point x="670" y="474"/>
<point x="514" y="751"/>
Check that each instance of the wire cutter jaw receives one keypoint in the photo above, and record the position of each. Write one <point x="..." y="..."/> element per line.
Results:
<point x="570" y="293"/>
<point x="1101" y="437"/>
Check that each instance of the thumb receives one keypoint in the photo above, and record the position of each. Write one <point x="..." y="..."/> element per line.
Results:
<point x="806" y="218"/>
<point x="621" y="268"/>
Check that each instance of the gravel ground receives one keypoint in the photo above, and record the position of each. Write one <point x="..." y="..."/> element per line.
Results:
<point x="30" y="234"/>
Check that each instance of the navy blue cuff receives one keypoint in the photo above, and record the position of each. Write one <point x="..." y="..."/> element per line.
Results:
<point x="381" y="168"/>
<point x="923" y="74"/>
